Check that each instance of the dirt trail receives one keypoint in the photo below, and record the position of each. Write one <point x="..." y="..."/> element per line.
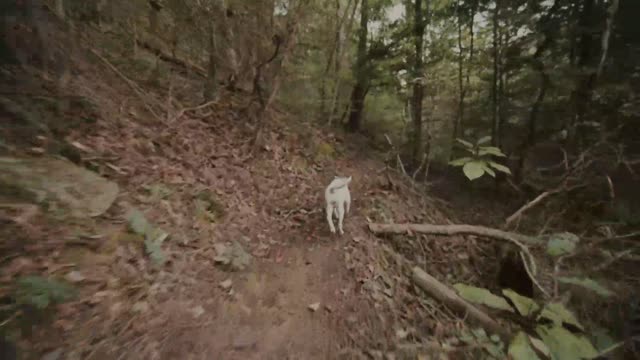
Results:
<point x="272" y="206"/>
<point x="270" y="318"/>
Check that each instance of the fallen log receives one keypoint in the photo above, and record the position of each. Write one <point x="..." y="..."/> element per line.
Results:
<point x="449" y="230"/>
<point x="518" y="239"/>
<point x="449" y="297"/>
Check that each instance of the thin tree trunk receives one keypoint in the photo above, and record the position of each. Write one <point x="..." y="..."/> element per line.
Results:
<point x="458" y="120"/>
<point x="339" y="60"/>
<point x="358" y="93"/>
<point x="585" y="82"/>
<point x="59" y="6"/>
<point x="333" y="56"/>
<point x="292" y="27"/>
<point x="496" y="74"/>
<point x="210" y="84"/>
<point x="459" y="124"/>
<point x="418" y="82"/>
<point x="548" y="31"/>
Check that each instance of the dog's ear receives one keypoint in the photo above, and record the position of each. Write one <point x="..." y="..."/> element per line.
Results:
<point x="349" y="179"/>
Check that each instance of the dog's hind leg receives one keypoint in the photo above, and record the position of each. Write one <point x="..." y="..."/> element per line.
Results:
<point x="340" y="217"/>
<point x="330" y="210"/>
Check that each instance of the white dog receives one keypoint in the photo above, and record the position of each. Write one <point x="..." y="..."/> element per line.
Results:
<point x="338" y="198"/>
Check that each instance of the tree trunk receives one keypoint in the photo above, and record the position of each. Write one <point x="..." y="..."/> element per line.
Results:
<point x="459" y="123"/>
<point x="210" y="86"/>
<point x="548" y="30"/>
<point x="496" y="74"/>
<point x="359" y="93"/>
<point x="418" y="82"/>
<point x="334" y="55"/>
<point x="580" y="95"/>
<point x="59" y="6"/>
<point x="458" y="120"/>
<point x="357" y="107"/>
<point x="339" y="60"/>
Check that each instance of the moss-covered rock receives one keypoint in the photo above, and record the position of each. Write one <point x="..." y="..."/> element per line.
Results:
<point x="56" y="183"/>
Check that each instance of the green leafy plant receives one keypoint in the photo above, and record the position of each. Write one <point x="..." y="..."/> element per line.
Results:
<point x="549" y="335"/>
<point x="480" y="160"/>
<point x="153" y="237"/>
<point x="40" y="292"/>
<point x="491" y="345"/>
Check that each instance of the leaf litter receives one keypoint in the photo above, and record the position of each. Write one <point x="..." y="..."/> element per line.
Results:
<point x="176" y="293"/>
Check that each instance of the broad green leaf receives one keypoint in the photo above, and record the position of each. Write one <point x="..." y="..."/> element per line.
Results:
<point x="488" y="170"/>
<point x="479" y="333"/>
<point x="540" y="346"/>
<point x="603" y="341"/>
<point x="559" y="314"/>
<point x="491" y="150"/>
<point x="465" y="143"/>
<point x="495" y="350"/>
<point x="473" y="170"/>
<point x="523" y="304"/>
<point x="564" y="345"/>
<point x="137" y="222"/>
<point x="483" y="140"/>
<point x="460" y="162"/>
<point x="500" y="167"/>
<point x="587" y="283"/>
<point x="520" y="349"/>
<point x="562" y="244"/>
<point x="482" y="296"/>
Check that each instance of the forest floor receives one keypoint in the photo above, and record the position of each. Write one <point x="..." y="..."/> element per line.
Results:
<point x="304" y="293"/>
<point x="292" y="290"/>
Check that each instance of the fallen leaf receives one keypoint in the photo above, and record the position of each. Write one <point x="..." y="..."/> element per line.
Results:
<point x="140" y="307"/>
<point x="314" y="307"/>
<point x="74" y="277"/>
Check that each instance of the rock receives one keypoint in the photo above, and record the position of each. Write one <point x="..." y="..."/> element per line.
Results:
<point x="233" y="257"/>
<point x="81" y="192"/>
<point x="226" y="285"/>
<point x="53" y="355"/>
<point x="197" y="311"/>
<point x="314" y="307"/>
<point x="74" y="277"/>
<point x="246" y="340"/>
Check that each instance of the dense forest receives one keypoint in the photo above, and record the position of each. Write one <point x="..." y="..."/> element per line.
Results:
<point x="162" y="165"/>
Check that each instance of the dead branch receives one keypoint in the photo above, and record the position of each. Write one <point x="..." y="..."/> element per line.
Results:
<point x="517" y="239"/>
<point x="171" y="59"/>
<point x="398" y="159"/>
<point x="141" y="94"/>
<point x="257" y="89"/>
<point x="449" y="230"/>
<point x="531" y="204"/>
<point x="449" y="297"/>
<point x="199" y="107"/>
<point x="292" y="28"/>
